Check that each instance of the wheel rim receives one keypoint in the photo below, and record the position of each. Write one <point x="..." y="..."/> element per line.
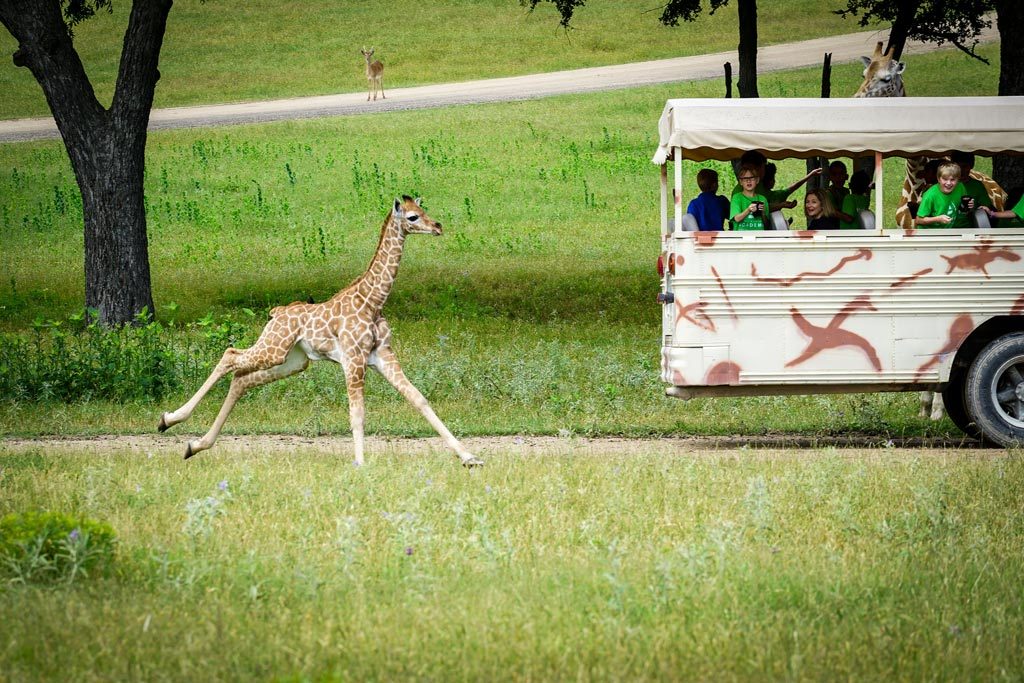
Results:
<point x="1007" y="391"/>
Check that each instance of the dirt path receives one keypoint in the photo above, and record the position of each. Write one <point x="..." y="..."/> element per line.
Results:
<point x="515" y="445"/>
<point x="844" y="48"/>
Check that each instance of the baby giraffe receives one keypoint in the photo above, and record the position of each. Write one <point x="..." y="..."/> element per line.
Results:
<point x="347" y="329"/>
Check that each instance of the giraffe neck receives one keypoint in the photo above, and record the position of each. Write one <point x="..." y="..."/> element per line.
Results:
<point x="375" y="284"/>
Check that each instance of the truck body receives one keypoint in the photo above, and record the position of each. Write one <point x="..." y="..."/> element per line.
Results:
<point x="872" y="309"/>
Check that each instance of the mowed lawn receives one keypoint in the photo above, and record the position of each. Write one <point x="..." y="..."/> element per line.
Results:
<point x="570" y="560"/>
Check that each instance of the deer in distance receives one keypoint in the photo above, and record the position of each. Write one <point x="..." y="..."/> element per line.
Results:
<point x="374" y="75"/>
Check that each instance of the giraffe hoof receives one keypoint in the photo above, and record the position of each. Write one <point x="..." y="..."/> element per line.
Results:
<point x="472" y="462"/>
<point x="163" y="426"/>
<point x="188" y="451"/>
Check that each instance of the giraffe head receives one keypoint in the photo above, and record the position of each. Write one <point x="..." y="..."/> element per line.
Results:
<point x="882" y="75"/>
<point x="410" y="217"/>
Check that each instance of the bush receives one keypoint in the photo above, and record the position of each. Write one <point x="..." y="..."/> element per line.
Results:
<point x="72" y="360"/>
<point x="43" y="547"/>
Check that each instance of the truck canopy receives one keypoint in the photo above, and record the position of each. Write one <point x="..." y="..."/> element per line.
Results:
<point x="722" y="129"/>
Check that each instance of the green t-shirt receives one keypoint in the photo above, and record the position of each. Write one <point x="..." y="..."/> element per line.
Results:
<point x="1019" y="209"/>
<point x="935" y="202"/>
<point x="975" y="188"/>
<point x="739" y="204"/>
<point x="852" y="203"/>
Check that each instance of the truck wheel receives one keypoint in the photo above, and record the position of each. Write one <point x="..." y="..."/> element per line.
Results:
<point x="994" y="391"/>
<point x="956" y="409"/>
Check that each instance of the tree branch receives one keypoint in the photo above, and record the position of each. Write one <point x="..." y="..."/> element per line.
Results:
<point x="138" y="73"/>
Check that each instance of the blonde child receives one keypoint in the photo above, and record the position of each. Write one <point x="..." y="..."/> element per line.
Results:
<point x="946" y="203"/>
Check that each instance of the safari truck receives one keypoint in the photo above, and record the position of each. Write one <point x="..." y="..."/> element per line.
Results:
<point x="878" y="308"/>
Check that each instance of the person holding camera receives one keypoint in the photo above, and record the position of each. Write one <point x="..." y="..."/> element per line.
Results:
<point x="945" y="204"/>
<point x="747" y="208"/>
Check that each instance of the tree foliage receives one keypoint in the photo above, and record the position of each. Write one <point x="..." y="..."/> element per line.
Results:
<point x="77" y="11"/>
<point x="958" y="22"/>
<point x="690" y="10"/>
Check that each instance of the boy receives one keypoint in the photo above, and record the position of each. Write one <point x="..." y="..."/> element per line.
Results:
<point x="747" y="208"/>
<point x="709" y="208"/>
<point x="945" y="204"/>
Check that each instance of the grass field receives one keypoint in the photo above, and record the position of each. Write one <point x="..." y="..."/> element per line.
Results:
<point x="565" y="562"/>
<point x="534" y="313"/>
<point x="260" y="49"/>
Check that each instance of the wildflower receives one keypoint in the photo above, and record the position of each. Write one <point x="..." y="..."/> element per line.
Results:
<point x="75" y="533"/>
<point x="408" y="550"/>
<point x="222" y="485"/>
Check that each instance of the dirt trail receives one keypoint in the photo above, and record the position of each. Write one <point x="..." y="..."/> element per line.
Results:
<point x="516" y="445"/>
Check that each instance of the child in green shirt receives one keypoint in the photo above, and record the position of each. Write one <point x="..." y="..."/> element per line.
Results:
<point x="747" y="208"/>
<point x="945" y="204"/>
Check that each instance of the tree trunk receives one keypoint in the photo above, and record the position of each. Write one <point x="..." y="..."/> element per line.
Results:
<point x="106" y="147"/>
<point x="747" y="84"/>
<point x="1009" y="171"/>
<point x="906" y="12"/>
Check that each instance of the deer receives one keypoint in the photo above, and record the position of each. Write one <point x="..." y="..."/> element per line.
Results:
<point x="374" y="75"/>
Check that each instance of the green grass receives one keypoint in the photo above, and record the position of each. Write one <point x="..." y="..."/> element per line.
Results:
<point x="260" y="49"/>
<point x="537" y="303"/>
<point x="291" y="564"/>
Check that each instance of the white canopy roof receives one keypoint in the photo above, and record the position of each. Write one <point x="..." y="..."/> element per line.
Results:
<point x="723" y="129"/>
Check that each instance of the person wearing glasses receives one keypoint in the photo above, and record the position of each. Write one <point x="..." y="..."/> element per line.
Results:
<point x="747" y="208"/>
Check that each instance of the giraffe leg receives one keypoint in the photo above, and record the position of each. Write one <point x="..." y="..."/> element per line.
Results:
<point x="270" y="349"/>
<point x="295" y="362"/>
<point x="228" y="363"/>
<point x="385" y="361"/>
<point x="926" y="404"/>
<point x="355" y="377"/>
<point x="938" y="407"/>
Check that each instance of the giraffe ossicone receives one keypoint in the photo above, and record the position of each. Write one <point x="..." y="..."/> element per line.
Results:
<point x="347" y="329"/>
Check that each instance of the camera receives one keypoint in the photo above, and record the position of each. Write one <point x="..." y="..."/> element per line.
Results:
<point x="965" y="204"/>
<point x="758" y="208"/>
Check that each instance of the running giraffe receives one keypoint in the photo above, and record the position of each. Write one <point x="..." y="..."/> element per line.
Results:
<point x="347" y="329"/>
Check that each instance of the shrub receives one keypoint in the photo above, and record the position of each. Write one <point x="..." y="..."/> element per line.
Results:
<point x="43" y="547"/>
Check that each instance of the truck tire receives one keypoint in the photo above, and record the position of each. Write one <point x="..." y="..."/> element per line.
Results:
<point x="994" y="391"/>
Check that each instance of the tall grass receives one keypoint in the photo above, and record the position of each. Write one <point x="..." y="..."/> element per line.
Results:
<point x="551" y="565"/>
